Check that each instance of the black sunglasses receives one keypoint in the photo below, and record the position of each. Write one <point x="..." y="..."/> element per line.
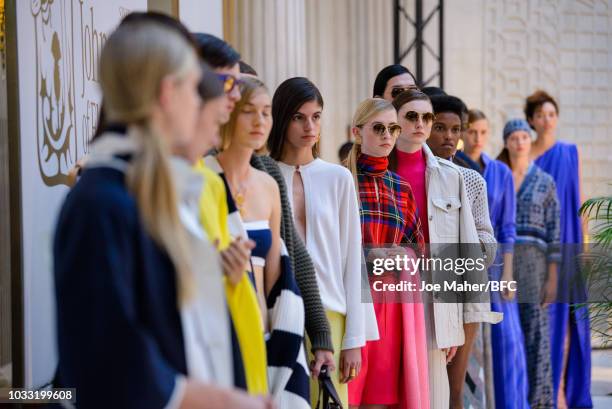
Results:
<point x="414" y="116"/>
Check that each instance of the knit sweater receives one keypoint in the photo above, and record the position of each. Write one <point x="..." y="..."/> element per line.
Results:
<point x="317" y="326"/>
<point x="476" y="189"/>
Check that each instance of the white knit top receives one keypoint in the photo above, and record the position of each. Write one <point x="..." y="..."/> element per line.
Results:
<point x="476" y="190"/>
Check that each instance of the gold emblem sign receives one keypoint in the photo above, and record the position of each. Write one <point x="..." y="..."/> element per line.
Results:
<point x="55" y="99"/>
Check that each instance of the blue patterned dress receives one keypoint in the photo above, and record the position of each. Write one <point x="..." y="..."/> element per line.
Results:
<point x="537" y="245"/>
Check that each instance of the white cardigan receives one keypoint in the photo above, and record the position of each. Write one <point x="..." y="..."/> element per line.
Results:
<point x="333" y="240"/>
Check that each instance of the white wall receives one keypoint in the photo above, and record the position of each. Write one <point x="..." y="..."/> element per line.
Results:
<point x="202" y="16"/>
<point x="500" y="51"/>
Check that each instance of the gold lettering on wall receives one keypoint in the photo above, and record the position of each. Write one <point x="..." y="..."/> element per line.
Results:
<point x="92" y="41"/>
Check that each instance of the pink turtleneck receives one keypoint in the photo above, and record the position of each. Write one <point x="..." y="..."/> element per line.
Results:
<point x="411" y="167"/>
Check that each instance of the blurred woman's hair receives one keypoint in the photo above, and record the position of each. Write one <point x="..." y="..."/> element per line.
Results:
<point x="249" y="87"/>
<point x="153" y="17"/>
<point x="135" y="60"/>
<point x="215" y="51"/>
<point x="366" y="110"/>
<point x="163" y="19"/>
<point x="288" y="99"/>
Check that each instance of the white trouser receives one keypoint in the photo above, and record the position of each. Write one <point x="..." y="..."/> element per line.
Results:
<point x="439" y="389"/>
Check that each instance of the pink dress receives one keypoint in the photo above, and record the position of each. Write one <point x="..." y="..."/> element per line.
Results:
<point x="394" y="368"/>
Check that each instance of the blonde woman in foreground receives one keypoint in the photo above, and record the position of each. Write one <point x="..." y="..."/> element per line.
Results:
<point x="122" y="265"/>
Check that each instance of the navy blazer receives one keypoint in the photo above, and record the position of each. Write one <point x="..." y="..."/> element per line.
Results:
<point x="119" y="331"/>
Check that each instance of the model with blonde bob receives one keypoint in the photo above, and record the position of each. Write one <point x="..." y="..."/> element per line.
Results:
<point x="394" y="367"/>
<point x="122" y="268"/>
<point x="364" y="112"/>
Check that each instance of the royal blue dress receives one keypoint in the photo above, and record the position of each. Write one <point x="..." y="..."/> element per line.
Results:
<point x="509" y="359"/>
<point x="561" y="162"/>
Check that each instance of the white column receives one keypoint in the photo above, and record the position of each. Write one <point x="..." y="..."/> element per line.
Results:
<point x="348" y="43"/>
<point x="340" y="45"/>
<point x="270" y="36"/>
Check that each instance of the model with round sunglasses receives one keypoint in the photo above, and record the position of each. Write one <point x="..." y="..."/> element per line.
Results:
<point x="570" y="331"/>
<point x="326" y="215"/>
<point x="446" y="217"/>
<point x="394" y="368"/>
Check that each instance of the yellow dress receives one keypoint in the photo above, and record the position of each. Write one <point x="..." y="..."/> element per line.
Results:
<point x="241" y="298"/>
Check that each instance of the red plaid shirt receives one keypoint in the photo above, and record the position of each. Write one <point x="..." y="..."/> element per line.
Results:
<point x="387" y="206"/>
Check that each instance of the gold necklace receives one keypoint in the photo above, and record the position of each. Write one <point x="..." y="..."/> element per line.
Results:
<point x="240" y="199"/>
<point x="240" y="194"/>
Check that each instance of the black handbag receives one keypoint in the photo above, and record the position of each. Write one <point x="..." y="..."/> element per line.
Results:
<point x="328" y="397"/>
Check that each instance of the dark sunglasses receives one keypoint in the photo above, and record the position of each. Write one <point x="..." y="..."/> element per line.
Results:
<point x="229" y="82"/>
<point x="380" y="129"/>
<point x="414" y="116"/>
<point x="396" y="91"/>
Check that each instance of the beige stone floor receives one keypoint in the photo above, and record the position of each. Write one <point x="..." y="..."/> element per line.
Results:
<point x="601" y="378"/>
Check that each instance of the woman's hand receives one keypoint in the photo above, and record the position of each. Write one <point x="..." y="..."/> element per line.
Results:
<point x="235" y="258"/>
<point x="549" y="290"/>
<point x="322" y="357"/>
<point x="508" y="275"/>
<point x="350" y="364"/>
<point x="256" y="402"/>
<point x="197" y="395"/>
<point x="450" y="354"/>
